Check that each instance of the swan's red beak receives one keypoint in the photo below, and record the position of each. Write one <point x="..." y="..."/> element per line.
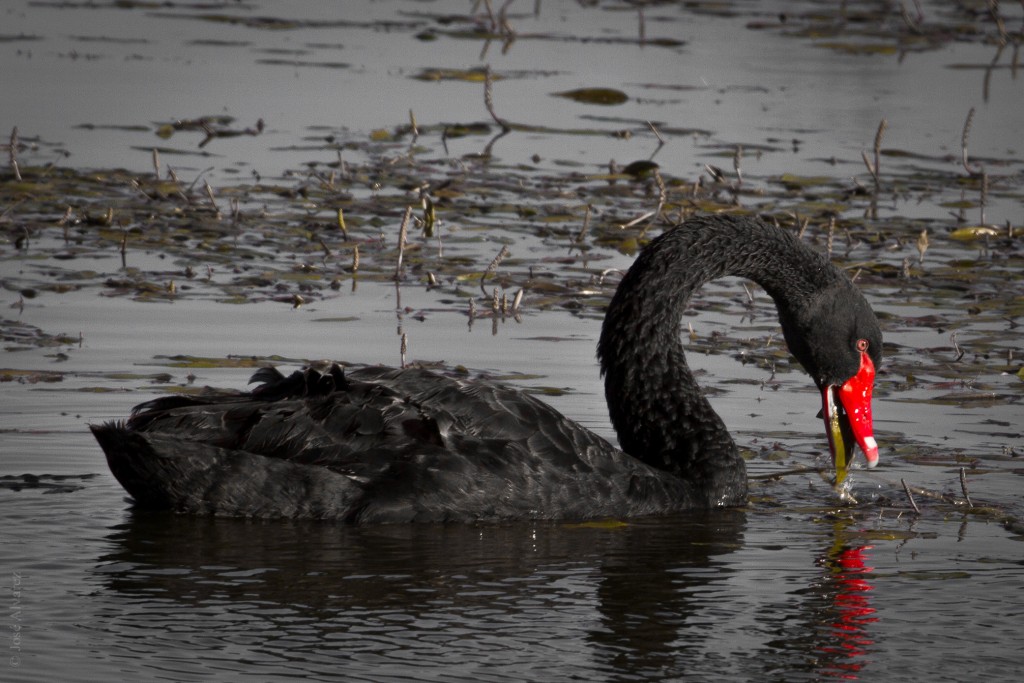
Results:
<point x="847" y="413"/>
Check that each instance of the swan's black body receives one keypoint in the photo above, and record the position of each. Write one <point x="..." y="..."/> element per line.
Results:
<point x="385" y="445"/>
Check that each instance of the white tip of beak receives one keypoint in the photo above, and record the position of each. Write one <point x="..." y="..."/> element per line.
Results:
<point x="870" y="451"/>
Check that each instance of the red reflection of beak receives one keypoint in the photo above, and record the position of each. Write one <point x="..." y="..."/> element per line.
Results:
<point x="853" y="420"/>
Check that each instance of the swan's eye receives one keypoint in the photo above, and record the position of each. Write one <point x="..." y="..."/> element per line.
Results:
<point x="862" y="345"/>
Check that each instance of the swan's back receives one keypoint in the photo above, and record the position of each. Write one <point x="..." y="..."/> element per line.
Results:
<point x="378" y="445"/>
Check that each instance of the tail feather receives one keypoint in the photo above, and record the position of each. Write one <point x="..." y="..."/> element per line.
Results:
<point x="168" y="473"/>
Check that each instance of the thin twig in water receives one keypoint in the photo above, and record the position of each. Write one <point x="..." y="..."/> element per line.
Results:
<point x="172" y="174"/>
<point x="878" y="149"/>
<point x="134" y="184"/>
<point x="871" y="169"/>
<point x="213" y="202"/>
<point x="504" y="26"/>
<point x="65" y="221"/>
<point x="657" y="134"/>
<point x="922" y="245"/>
<point x="736" y="158"/>
<point x="662" y="198"/>
<point x="341" y="224"/>
<point x="582" y="235"/>
<point x="963" y="487"/>
<point x="413" y="126"/>
<point x="715" y="173"/>
<point x="993" y="9"/>
<point x="490" y="13"/>
<point x="984" y="196"/>
<point x="803" y="226"/>
<point x="489" y="99"/>
<point x="750" y="294"/>
<point x="956" y="347"/>
<point x="875" y="168"/>
<point x="403" y="233"/>
<point x="963" y="141"/>
<point x="638" y="219"/>
<point x="429" y="217"/>
<point x="910" y="496"/>
<point x="13" y="153"/>
<point x="493" y="267"/>
<point x="404" y="348"/>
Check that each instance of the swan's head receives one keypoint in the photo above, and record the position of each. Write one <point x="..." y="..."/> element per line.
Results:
<point x="837" y="339"/>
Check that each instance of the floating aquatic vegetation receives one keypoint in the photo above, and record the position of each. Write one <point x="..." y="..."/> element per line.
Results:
<point x="602" y="96"/>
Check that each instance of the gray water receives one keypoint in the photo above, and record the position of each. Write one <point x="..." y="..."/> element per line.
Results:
<point x="796" y="586"/>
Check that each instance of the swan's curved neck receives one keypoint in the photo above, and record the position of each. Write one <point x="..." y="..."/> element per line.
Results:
<point x="656" y="406"/>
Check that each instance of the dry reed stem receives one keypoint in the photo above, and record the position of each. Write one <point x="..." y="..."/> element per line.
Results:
<point x="657" y="133"/>
<point x="870" y="167"/>
<point x="403" y="234"/>
<point x="802" y="224"/>
<point x="341" y="225"/>
<point x="910" y="496"/>
<point x="213" y="202"/>
<point x="983" y="200"/>
<point x="507" y="32"/>
<point x="878" y="151"/>
<point x="13" y="153"/>
<point x="582" y="234"/>
<point x="993" y="9"/>
<point x="963" y="487"/>
<point x="489" y="99"/>
<point x="429" y="218"/>
<point x="956" y="347"/>
<point x="493" y="267"/>
<point x="963" y="141"/>
<point x="736" y="158"/>
<point x="662" y="199"/>
<point x="490" y="12"/>
<point x="65" y="221"/>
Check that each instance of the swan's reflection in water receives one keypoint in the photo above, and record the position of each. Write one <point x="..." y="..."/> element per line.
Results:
<point x="652" y="600"/>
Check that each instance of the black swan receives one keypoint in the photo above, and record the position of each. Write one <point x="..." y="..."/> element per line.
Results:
<point x="385" y="445"/>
